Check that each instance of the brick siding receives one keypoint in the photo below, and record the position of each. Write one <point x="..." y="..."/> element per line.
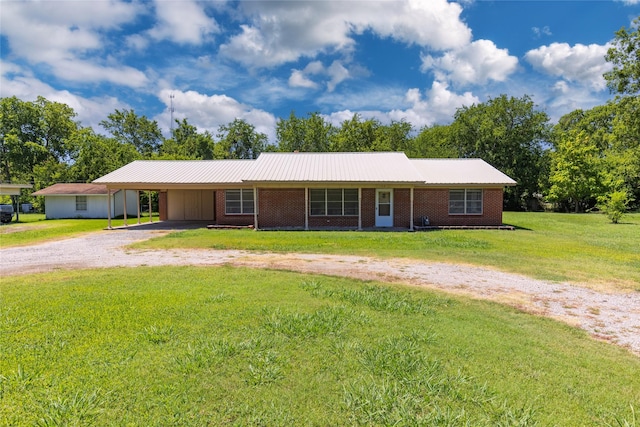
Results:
<point x="434" y="203"/>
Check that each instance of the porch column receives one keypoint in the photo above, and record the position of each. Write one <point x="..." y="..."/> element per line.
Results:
<point x="138" y="200"/>
<point x="255" y="208"/>
<point x="150" y="211"/>
<point x="411" y="209"/>
<point x="306" y="208"/>
<point x="360" y="208"/>
<point x="108" y="208"/>
<point x="124" y="205"/>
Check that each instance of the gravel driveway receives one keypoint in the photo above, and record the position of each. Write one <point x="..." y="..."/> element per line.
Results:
<point x="614" y="317"/>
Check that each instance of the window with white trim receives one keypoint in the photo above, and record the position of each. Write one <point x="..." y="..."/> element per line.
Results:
<point x="239" y="202"/>
<point x="466" y="201"/>
<point x="333" y="201"/>
<point x="81" y="203"/>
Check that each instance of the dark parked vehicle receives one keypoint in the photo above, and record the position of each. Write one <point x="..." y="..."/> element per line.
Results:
<point x="6" y="213"/>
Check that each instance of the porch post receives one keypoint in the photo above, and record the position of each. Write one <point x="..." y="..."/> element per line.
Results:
<point x="255" y="208"/>
<point x="124" y="205"/>
<point x="360" y="208"/>
<point x="411" y="209"/>
<point x="150" y="211"/>
<point x="306" y="208"/>
<point x="108" y="208"/>
<point x="138" y="205"/>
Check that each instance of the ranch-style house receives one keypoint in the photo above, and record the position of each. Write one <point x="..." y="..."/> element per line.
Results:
<point x="321" y="190"/>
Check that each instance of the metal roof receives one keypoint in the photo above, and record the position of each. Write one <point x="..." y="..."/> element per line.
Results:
<point x="281" y="168"/>
<point x="72" y="190"/>
<point x="378" y="167"/>
<point x="179" y="172"/>
<point x="460" y="172"/>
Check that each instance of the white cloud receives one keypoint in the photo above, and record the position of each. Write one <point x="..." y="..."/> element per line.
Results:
<point x="298" y="79"/>
<point x="62" y="34"/>
<point x="15" y="81"/>
<point x="539" y="32"/>
<point x="437" y="105"/>
<point x="475" y="63"/>
<point x="182" y="22"/>
<point x="336" y="73"/>
<point x="282" y="32"/>
<point x="208" y="112"/>
<point x="579" y="63"/>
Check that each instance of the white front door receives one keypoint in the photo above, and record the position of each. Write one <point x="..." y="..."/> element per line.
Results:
<point x="384" y="208"/>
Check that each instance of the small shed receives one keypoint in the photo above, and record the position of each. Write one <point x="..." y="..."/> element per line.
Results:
<point x="86" y="201"/>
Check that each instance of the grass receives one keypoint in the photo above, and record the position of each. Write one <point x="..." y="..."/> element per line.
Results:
<point x="230" y="346"/>
<point x="34" y="228"/>
<point x="584" y="248"/>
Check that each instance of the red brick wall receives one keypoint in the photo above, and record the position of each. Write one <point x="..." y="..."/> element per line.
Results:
<point x="368" y="207"/>
<point x="281" y="207"/>
<point x="434" y="203"/>
<point x="223" y="219"/>
<point x="402" y="208"/>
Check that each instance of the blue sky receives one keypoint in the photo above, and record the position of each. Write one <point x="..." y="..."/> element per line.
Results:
<point x="413" y="60"/>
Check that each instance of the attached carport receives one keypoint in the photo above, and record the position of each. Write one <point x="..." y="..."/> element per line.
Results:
<point x="186" y="189"/>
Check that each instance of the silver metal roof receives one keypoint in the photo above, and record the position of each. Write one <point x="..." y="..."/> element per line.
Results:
<point x="333" y="167"/>
<point x="281" y="168"/>
<point x="179" y="172"/>
<point x="460" y="172"/>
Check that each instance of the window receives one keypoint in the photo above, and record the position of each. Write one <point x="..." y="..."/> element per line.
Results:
<point x="239" y="202"/>
<point x="333" y="201"/>
<point x="467" y="201"/>
<point x="81" y="203"/>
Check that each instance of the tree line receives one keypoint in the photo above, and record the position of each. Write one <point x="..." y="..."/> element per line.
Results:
<point x="588" y="158"/>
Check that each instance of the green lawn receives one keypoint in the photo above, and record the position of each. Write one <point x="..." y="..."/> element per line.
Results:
<point x="34" y="228"/>
<point x="561" y="247"/>
<point x="230" y="346"/>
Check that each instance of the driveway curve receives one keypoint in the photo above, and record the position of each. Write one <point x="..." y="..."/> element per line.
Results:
<point x="614" y="317"/>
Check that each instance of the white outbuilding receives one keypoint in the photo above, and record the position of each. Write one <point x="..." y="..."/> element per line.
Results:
<point x="87" y="201"/>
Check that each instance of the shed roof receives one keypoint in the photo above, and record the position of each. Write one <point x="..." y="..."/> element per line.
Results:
<point x="179" y="172"/>
<point x="380" y="167"/>
<point x="12" y="189"/>
<point x="77" y="189"/>
<point x="460" y="172"/>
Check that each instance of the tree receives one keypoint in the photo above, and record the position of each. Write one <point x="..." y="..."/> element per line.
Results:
<point x="434" y="142"/>
<point x="187" y="143"/>
<point x="625" y="57"/>
<point x="129" y="128"/>
<point x="99" y="155"/>
<point x="307" y="135"/>
<point x="32" y="133"/>
<point x="355" y="135"/>
<point x="576" y="171"/>
<point x="239" y="140"/>
<point x="614" y="204"/>
<point x="509" y="134"/>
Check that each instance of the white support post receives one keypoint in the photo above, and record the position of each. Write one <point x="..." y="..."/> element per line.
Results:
<point x="138" y="200"/>
<point x="360" y="208"/>
<point x="124" y="205"/>
<point x="411" y="210"/>
<point x="306" y="208"/>
<point x="109" y="208"/>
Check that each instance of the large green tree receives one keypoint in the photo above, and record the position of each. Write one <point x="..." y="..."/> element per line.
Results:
<point x="187" y="143"/>
<point x="624" y="54"/>
<point x="434" y="142"/>
<point x="310" y="134"/>
<point x="508" y="133"/>
<point x="34" y="133"/>
<point x="239" y="140"/>
<point x="129" y="128"/>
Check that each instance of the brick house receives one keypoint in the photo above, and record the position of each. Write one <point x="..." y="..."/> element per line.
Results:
<point x="321" y="190"/>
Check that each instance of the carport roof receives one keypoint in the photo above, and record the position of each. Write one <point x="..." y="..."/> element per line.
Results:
<point x="179" y="172"/>
<point x="72" y="189"/>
